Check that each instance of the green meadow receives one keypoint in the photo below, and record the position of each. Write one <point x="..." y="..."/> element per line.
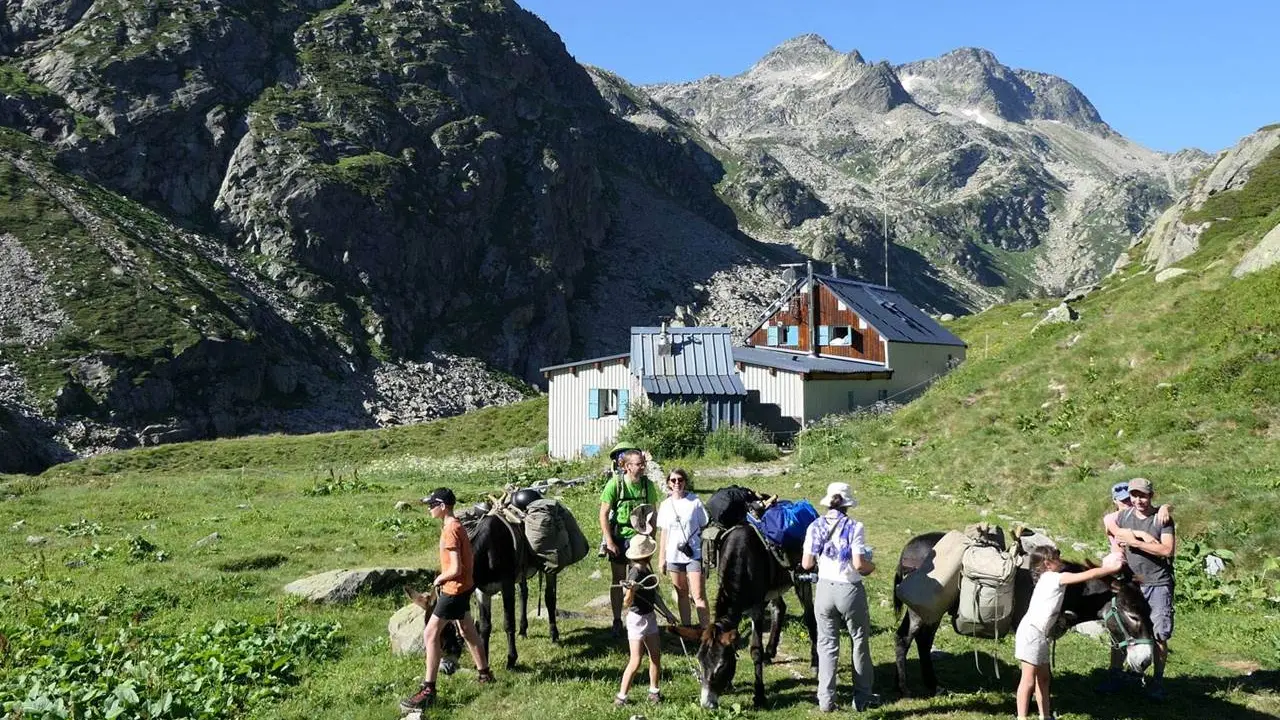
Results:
<point x="116" y="601"/>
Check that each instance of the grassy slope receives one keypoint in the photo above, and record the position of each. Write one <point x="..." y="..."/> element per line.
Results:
<point x="1177" y="381"/>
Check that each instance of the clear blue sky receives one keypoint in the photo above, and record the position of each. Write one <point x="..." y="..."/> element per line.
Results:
<point x="1169" y="74"/>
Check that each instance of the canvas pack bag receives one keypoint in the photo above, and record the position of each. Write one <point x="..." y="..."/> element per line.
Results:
<point x="931" y="588"/>
<point x="711" y="535"/>
<point x="553" y="534"/>
<point x="986" y="589"/>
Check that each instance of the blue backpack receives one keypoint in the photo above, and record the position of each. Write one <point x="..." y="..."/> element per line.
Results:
<point x="786" y="522"/>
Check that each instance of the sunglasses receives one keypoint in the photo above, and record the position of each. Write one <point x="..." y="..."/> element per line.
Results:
<point x="676" y="480"/>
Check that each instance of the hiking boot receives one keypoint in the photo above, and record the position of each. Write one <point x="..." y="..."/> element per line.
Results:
<point x="485" y="676"/>
<point x="424" y="698"/>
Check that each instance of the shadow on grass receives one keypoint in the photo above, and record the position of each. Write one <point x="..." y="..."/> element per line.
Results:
<point x="965" y="689"/>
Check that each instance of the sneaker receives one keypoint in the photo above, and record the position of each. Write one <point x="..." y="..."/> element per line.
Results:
<point x="619" y="701"/>
<point x="424" y="698"/>
<point x="485" y="676"/>
<point x="655" y="696"/>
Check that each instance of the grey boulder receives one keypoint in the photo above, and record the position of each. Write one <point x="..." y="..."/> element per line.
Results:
<point x="339" y="586"/>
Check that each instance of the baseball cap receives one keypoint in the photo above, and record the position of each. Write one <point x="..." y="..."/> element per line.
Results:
<point x="1140" y="485"/>
<point x="441" y="496"/>
<point x="1120" y="491"/>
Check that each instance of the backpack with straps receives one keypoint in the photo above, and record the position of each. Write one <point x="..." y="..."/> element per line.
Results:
<point x="986" y="586"/>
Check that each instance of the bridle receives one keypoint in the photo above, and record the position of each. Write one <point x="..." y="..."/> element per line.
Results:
<point x="1121" y="638"/>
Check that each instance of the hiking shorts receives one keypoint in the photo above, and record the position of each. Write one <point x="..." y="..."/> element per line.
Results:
<point x="621" y="557"/>
<point x="452" y="607"/>
<point x="695" y="566"/>
<point x="1160" y="598"/>
<point x="1031" y="645"/>
<point x="641" y="626"/>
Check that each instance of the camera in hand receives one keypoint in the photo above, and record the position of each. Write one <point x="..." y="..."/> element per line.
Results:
<point x="685" y="548"/>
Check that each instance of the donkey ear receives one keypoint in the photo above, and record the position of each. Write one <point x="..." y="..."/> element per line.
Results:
<point x="688" y="632"/>
<point x="729" y="637"/>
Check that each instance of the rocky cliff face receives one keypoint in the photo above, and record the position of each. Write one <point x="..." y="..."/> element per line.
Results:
<point x="1175" y="235"/>
<point x="231" y="216"/>
<point x="997" y="182"/>
<point x="337" y="194"/>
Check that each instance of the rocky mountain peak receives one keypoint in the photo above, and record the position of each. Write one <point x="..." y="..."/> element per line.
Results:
<point x="974" y="83"/>
<point x="809" y="52"/>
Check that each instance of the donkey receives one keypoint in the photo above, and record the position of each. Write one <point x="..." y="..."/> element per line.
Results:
<point x="750" y="579"/>
<point x="503" y="561"/>
<point x="1118" y="603"/>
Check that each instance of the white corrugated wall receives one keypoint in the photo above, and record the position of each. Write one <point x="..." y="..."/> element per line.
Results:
<point x="569" y="427"/>
<point x="782" y="388"/>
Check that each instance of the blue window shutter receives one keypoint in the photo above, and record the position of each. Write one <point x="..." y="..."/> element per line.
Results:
<point x="623" y="396"/>
<point x="590" y="450"/>
<point x="773" y="334"/>
<point x="793" y="335"/>
<point x="824" y="334"/>
<point x="593" y="403"/>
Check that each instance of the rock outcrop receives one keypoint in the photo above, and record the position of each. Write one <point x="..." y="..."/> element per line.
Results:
<point x="1263" y="255"/>
<point x="1174" y="238"/>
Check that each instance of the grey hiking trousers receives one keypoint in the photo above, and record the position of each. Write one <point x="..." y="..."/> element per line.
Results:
<point x="843" y="606"/>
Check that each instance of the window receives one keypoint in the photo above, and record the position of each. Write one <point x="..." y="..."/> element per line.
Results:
<point x="792" y="335"/>
<point x="606" y="402"/>
<point x="841" y="335"/>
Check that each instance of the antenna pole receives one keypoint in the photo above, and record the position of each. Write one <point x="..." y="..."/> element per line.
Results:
<point x="885" y="227"/>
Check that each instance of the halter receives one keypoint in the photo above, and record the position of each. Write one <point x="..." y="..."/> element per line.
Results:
<point x="1123" y="638"/>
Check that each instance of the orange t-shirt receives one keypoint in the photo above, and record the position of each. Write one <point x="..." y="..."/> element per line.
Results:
<point x="453" y="538"/>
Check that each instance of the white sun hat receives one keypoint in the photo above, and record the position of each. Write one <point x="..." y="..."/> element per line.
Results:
<point x="841" y="490"/>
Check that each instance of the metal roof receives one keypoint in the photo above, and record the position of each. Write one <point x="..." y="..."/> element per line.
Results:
<point x="685" y="361"/>
<point x="606" y="358"/>
<point x="804" y="363"/>
<point x="891" y="314"/>
<point x="693" y="385"/>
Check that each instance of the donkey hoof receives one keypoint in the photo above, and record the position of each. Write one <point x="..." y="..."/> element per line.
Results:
<point x="759" y="703"/>
<point x="511" y="663"/>
<point x="448" y="667"/>
<point x="555" y="637"/>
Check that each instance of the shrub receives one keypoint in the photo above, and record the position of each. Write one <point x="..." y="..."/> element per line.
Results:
<point x="748" y="442"/>
<point x="668" y="430"/>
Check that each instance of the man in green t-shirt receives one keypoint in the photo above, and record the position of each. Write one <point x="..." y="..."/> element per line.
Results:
<point x="621" y="495"/>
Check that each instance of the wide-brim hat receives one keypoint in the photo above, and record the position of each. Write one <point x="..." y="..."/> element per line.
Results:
<point x="644" y="519"/>
<point x="843" y="491"/>
<point x="621" y="448"/>
<point x="642" y="547"/>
